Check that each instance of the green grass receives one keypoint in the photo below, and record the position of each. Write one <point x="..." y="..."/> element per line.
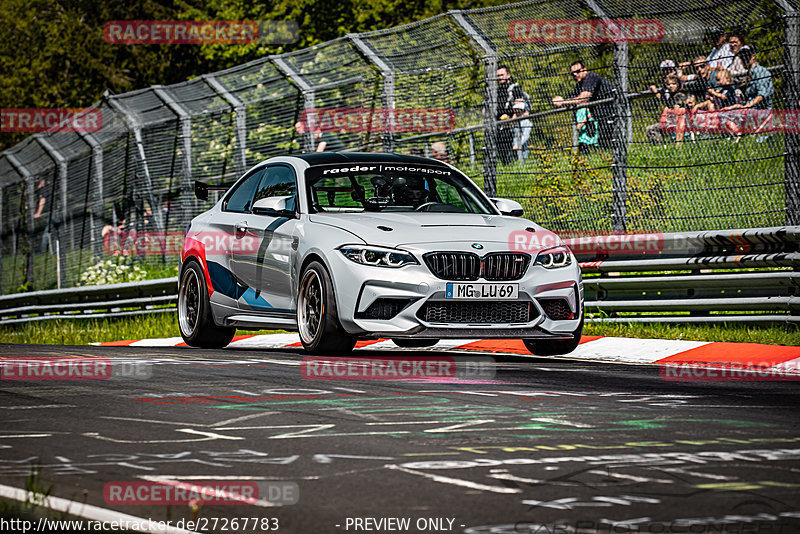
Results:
<point x="82" y="332"/>
<point x="734" y="333"/>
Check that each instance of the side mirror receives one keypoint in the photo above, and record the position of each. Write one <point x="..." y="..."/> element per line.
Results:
<point x="274" y="207"/>
<point x="508" y="207"/>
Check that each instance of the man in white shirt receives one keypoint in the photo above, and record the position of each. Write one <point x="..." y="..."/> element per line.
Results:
<point x="721" y="55"/>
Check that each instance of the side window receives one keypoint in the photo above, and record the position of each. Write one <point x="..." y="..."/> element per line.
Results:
<point x="240" y="199"/>
<point x="278" y="181"/>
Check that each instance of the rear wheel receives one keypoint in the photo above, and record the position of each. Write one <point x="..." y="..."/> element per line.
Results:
<point x="545" y="347"/>
<point x="414" y="343"/>
<point x="317" y="316"/>
<point x="194" y="312"/>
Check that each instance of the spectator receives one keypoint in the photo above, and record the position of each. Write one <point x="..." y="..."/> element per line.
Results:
<point x="439" y="151"/>
<point x="655" y="132"/>
<point x="724" y="94"/>
<point x="522" y="130"/>
<point x="508" y="92"/>
<point x="737" y="67"/>
<point x="325" y="141"/>
<point x="721" y="55"/>
<point x="758" y="92"/>
<point x="702" y="81"/>
<point x="588" y="135"/>
<point x="591" y="87"/>
<point x="667" y="69"/>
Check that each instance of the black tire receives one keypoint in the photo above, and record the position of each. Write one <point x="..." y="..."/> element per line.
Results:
<point x="414" y="343"/>
<point x="194" y="312"/>
<point x="545" y="347"/>
<point x="317" y="316"/>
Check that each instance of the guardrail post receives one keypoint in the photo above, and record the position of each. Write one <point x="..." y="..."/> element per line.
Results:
<point x="308" y="100"/>
<point x="490" y="110"/>
<point x="135" y="126"/>
<point x="29" y="203"/>
<point x="61" y="164"/>
<point x="387" y="73"/>
<point x="623" y="127"/>
<point x="791" y="159"/>
<point x="96" y="213"/>
<point x="186" y="140"/>
<point x="240" y="114"/>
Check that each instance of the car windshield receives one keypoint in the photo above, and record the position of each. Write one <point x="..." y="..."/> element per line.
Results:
<point x="358" y="187"/>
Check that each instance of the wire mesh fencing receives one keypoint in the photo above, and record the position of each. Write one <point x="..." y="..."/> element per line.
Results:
<point x="597" y="116"/>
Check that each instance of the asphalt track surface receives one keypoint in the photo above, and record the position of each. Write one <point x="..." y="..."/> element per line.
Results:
<point x="545" y="446"/>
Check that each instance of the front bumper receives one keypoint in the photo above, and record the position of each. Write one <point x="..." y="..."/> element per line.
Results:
<point x="359" y="287"/>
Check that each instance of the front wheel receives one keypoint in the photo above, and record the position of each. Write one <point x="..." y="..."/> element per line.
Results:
<point x="414" y="343"/>
<point x="194" y="312"/>
<point x="545" y="347"/>
<point x="317" y="316"/>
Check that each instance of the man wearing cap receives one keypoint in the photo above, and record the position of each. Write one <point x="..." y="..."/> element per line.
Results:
<point x="721" y="55"/>
<point x="522" y="130"/>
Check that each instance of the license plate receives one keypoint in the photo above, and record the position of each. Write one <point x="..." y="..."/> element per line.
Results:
<point x="482" y="291"/>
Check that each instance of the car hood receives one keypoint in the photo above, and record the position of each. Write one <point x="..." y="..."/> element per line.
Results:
<point x="423" y="228"/>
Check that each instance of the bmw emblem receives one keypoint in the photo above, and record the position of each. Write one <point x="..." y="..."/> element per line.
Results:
<point x="477" y="246"/>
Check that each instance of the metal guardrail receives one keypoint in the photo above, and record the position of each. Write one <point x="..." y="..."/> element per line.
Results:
<point x="91" y="302"/>
<point x="677" y="278"/>
<point x="681" y="278"/>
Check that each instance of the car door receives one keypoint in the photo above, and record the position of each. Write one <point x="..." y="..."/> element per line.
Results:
<point x="264" y="258"/>
<point x="222" y="238"/>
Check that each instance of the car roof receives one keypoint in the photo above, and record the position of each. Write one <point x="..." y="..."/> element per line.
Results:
<point x="328" y="158"/>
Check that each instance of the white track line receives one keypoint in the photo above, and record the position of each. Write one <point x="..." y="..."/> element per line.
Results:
<point x="94" y="513"/>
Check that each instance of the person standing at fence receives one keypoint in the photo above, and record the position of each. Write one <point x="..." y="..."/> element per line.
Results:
<point x="325" y="141"/>
<point x="720" y="56"/>
<point x="508" y="92"/>
<point x="738" y="67"/>
<point x="588" y="135"/>
<point x="591" y="87"/>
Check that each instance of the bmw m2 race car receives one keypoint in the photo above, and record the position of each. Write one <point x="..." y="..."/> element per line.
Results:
<point x="347" y="246"/>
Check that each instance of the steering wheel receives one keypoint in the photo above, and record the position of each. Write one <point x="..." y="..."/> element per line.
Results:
<point x="422" y="207"/>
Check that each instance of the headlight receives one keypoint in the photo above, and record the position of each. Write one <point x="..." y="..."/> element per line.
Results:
<point x="554" y="258"/>
<point x="378" y="256"/>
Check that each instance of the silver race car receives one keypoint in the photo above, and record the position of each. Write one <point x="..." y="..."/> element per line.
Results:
<point x="347" y="246"/>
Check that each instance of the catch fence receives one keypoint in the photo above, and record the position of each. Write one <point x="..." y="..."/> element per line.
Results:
<point x="429" y="88"/>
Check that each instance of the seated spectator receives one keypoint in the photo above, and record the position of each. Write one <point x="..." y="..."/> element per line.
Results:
<point x="701" y="81"/>
<point x="724" y="95"/>
<point x="522" y="130"/>
<point x="655" y="132"/>
<point x="757" y="94"/>
<point x="667" y="69"/>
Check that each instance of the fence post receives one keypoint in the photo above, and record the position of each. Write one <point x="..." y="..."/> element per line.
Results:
<point x="623" y="128"/>
<point x="61" y="163"/>
<point x="240" y="113"/>
<point x="387" y="73"/>
<point x="96" y="214"/>
<point x="1" y="237"/>
<point x="29" y="203"/>
<point x="308" y="99"/>
<point x="186" y="138"/>
<point x="490" y="111"/>
<point x="135" y="126"/>
<point x="791" y="159"/>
